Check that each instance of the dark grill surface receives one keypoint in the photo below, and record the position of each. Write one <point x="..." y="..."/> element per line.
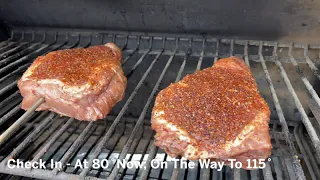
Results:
<point x="287" y="75"/>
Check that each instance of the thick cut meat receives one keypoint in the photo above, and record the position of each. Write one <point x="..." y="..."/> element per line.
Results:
<point x="216" y="113"/>
<point x="80" y="83"/>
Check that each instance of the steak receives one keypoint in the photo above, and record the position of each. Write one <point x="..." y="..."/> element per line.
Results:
<point x="216" y="113"/>
<point x="84" y="83"/>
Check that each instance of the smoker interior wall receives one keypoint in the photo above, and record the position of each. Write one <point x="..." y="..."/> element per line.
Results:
<point x="3" y="32"/>
<point x="268" y="19"/>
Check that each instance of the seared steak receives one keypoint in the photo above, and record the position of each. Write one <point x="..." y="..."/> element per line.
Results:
<point x="80" y="83"/>
<point x="216" y="113"/>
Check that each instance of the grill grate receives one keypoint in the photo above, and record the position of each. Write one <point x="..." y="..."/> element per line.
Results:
<point x="150" y="64"/>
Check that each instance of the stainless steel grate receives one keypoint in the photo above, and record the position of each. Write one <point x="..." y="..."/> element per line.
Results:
<point x="287" y="75"/>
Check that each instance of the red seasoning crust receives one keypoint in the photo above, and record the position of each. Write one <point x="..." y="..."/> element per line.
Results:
<point x="212" y="106"/>
<point x="76" y="66"/>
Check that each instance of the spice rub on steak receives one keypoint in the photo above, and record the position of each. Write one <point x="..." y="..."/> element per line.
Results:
<point x="216" y="113"/>
<point x="84" y="83"/>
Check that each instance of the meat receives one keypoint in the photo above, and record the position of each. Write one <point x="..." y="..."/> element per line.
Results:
<point x="216" y="113"/>
<point x="80" y="83"/>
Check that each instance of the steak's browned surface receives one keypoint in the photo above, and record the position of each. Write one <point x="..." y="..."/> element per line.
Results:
<point x="80" y="83"/>
<point x="216" y="113"/>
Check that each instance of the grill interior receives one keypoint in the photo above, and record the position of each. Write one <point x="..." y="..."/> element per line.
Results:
<point x="287" y="75"/>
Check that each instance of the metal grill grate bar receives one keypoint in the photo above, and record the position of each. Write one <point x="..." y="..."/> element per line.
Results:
<point x="216" y="57"/>
<point x="297" y="166"/>
<point x="8" y="40"/>
<point x="20" y="69"/>
<point x="308" y="150"/>
<point x="152" y="154"/>
<point x="8" y="46"/>
<point x="140" y="60"/>
<point x="75" y="171"/>
<point x="125" y="44"/>
<point x="38" y="117"/>
<point x="23" y="44"/>
<point x="55" y="153"/>
<point x="134" y="51"/>
<point x="43" y="174"/>
<point x="74" y="146"/>
<point x="282" y="158"/>
<point x="5" y="135"/>
<point x="201" y="56"/>
<point x="236" y="174"/>
<point x="112" y="148"/>
<point x="52" y="140"/>
<point x="313" y="135"/>
<point x="9" y="114"/>
<point x="314" y="173"/>
<point x="29" y="139"/>
<point x="246" y="54"/>
<point x="184" y="62"/>
<point x="314" y="69"/>
<point x="27" y="50"/>
<point x="8" y="100"/>
<point x="9" y="87"/>
<point x="231" y="47"/>
<point x="304" y="79"/>
<point x="153" y="149"/>
<point x="25" y="58"/>
<point x="135" y="141"/>
<point x="267" y="172"/>
<point x="141" y="118"/>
